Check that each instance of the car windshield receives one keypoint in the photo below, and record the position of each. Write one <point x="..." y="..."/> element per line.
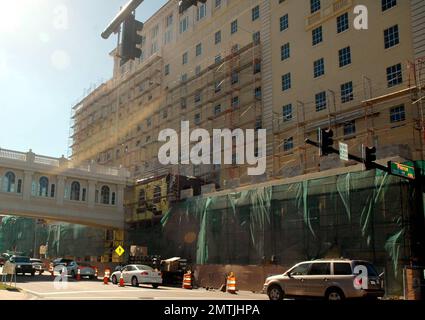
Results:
<point x="371" y="271"/>
<point x="36" y="261"/>
<point x="21" y="260"/>
<point x="83" y="264"/>
<point x="142" y="267"/>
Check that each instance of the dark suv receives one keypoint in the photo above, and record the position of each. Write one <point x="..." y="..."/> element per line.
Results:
<point x="23" y="265"/>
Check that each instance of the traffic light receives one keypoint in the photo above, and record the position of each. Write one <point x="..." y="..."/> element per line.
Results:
<point x="369" y="157"/>
<point x="326" y="141"/>
<point x="130" y="39"/>
<point x="186" y="4"/>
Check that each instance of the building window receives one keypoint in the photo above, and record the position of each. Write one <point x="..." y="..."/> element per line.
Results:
<point x="287" y="112"/>
<point x="235" y="102"/>
<point x="256" y="37"/>
<point x="285" y="51"/>
<point x="184" y="25"/>
<point x="198" y="49"/>
<point x="84" y="195"/>
<point x="342" y="23"/>
<point x="314" y="6"/>
<point x="391" y="37"/>
<point x="169" y="20"/>
<point x="9" y="182"/>
<point x="183" y="77"/>
<point x="284" y="22"/>
<point x="52" y="190"/>
<point x="235" y="77"/>
<point x="183" y="103"/>
<point x="167" y="70"/>
<point x="257" y="93"/>
<point x="75" y="191"/>
<point x="394" y="75"/>
<point x="113" y="198"/>
<point x="317" y="35"/>
<point x="397" y="114"/>
<point x="217" y="3"/>
<point x="319" y="68"/>
<point x="258" y="123"/>
<point x="43" y="187"/>
<point x="217" y="59"/>
<point x="344" y="57"/>
<point x="257" y="66"/>
<point x="185" y="58"/>
<point x="197" y="118"/>
<point x="288" y="144"/>
<point x="347" y="92"/>
<point x="286" y="82"/>
<point x="217" y="109"/>
<point x="255" y="13"/>
<point x="198" y="70"/>
<point x="217" y="37"/>
<point x="349" y="128"/>
<point x="387" y="4"/>
<point x="202" y="11"/>
<point x="321" y="102"/>
<point x="198" y="97"/>
<point x="142" y="197"/>
<point x="217" y="86"/>
<point x="19" y="187"/>
<point x="234" y="27"/>
<point x="104" y="194"/>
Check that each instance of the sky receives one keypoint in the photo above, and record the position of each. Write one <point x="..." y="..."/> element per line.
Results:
<point x="51" y="52"/>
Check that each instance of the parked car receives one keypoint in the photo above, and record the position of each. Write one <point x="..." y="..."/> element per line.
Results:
<point x="23" y="265"/>
<point x="38" y="266"/>
<point x="136" y="274"/>
<point x="86" y="270"/>
<point x="330" y="279"/>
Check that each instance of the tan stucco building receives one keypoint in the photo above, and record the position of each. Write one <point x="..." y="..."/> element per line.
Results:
<point x="287" y="66"/>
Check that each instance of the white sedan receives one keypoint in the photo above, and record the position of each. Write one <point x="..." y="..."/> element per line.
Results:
<point x="136" y="274"/>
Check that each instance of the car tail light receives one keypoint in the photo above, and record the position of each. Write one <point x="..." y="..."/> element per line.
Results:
<point x="145" y="273"/>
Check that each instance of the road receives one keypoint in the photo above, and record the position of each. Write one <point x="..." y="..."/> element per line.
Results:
<point x="43" y="288"/>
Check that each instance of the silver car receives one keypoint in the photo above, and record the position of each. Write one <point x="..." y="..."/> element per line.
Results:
<point x="330" y="279"/>
<point x="85" y="269"/>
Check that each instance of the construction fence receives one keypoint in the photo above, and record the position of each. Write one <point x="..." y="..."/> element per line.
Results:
<point x="361" y="215"/>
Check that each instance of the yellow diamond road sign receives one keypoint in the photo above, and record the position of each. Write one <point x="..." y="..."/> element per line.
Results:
<point x="120" y="251"/>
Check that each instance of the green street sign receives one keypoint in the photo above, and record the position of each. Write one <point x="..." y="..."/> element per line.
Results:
<point x="402" y="170"/>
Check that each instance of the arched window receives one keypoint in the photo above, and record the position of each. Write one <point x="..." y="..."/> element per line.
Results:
<point x="157" y="194"/>
<point x="142" y="197"/>
<point x="104" y="195"/>
<point x="9" y="182"/>
<point x="43" y="186"/>
<point x="75" y="191"/>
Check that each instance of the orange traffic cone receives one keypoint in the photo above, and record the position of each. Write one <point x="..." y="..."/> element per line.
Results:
<point x="231" y="283"/>
<point x="78" y="274"/>
<point x="106" y="276"/>
<point x="51" y="270"/>
<point x="122" y="281"/>
<point x="187" y="280"/>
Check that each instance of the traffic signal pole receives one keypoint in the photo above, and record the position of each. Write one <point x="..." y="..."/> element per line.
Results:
<point x="332" y="150"/>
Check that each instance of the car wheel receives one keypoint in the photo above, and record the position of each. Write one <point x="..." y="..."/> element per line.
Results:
<point x="275" y="293"/>
<point x="334" y="294"/>
<point x="134" y="282"/>
<point x="114" y="280"/>
<point x="155" y="286"/>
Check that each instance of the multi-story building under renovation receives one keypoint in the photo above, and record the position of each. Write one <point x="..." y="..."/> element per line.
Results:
<point x="287" y="66"/>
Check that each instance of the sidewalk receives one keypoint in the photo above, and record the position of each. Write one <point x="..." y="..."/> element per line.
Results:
<point x="12" y="295"/>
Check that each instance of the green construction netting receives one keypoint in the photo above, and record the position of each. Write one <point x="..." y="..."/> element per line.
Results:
<point x="359" y="215"/>
<point x="25" y="235"/>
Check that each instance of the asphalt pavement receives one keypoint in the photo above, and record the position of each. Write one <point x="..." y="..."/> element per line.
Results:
<point x="46" y="288"/>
